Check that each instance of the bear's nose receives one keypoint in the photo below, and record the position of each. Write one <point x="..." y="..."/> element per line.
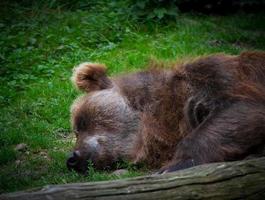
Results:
<point x="73" y="160"/>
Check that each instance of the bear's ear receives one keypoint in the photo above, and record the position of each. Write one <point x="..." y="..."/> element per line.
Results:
<point x="196" y="112"/>
<point x="90" y="77"/>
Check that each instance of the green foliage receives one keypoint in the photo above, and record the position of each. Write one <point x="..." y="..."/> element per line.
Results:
<point x="40" y="45"/>
<point x="53" y="4"/>
<point x="162" y="10"/>
<point x="31" y="41"/>
<point x="154" y="9"/>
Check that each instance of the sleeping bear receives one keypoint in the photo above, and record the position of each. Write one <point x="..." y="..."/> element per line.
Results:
<point x="169" y="118"/>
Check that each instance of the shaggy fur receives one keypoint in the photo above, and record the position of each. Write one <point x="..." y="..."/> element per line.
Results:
<point x="209" y="110"/>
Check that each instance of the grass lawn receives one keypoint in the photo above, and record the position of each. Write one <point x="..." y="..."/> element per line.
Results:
<point x="39" y="47"/>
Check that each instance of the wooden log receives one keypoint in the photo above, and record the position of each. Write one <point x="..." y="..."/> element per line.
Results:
<point x="230" y="180"/>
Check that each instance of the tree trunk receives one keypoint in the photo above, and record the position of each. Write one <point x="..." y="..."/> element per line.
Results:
<point x="231" y="180"/>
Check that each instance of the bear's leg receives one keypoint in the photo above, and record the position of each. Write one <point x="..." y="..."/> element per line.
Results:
<point x="231" y="134"/>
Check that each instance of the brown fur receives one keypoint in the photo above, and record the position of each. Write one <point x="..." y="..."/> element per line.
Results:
<point x="90" y="76"/>
<point x="209" y="110"/>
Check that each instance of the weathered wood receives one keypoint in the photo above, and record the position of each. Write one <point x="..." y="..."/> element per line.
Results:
<point x="231" y="180"/>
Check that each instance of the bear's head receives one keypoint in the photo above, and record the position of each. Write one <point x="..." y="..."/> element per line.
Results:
<point x="102" y="120"/>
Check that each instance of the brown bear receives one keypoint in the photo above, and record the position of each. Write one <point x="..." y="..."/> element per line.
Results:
<point x="209" y="110"/>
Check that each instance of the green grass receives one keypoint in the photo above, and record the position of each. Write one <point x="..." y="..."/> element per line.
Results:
<point x="39" y="49"/>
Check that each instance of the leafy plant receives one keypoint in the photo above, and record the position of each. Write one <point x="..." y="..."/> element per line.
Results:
<point x="154" y="9"/>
